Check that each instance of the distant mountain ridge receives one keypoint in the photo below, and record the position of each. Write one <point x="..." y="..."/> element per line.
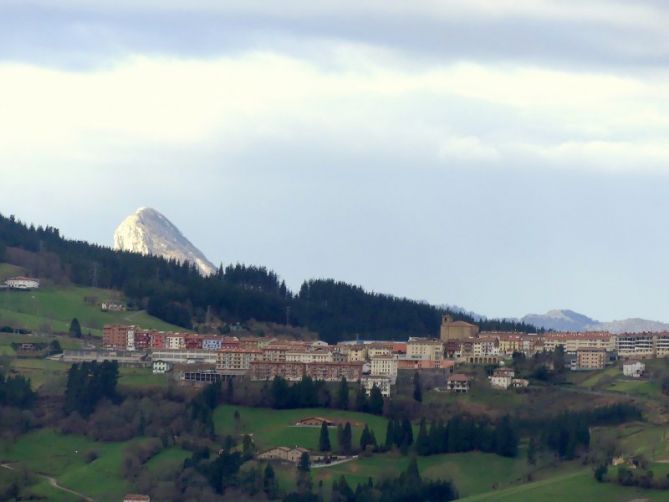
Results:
<point x="147" y="231"/>
<point x="568" y="320"/>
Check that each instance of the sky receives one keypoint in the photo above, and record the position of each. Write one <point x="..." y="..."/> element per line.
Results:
<point x="507" y="156"/>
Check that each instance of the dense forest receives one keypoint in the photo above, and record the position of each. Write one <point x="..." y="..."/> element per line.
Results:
<point x="177" y="293"/>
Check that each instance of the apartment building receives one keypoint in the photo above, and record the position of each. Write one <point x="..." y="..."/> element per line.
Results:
<point x="591" y="359"/>
<point x="236" y="361"/>
<point x="573" y="342"/>
<point x="425" y="348"/>
<point x="384" y="366"/>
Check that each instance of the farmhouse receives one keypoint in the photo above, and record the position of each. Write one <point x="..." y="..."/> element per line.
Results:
<point x="316" y="422"/>
<point x="22" y="282"/>
<point x="283" y="454"/>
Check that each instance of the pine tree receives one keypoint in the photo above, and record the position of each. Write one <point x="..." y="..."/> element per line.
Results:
<point x="412" y="475"/>
<point x="375" y="405"/>
<point x="390" y="435"/>
<point x="304" y="484"/>
<point x="347" y="439"/>
<point x="417" y="388"/>
<point x="361" y="400"/>
<point x="532" y="452"/>
<point x="324" y="440"/>
<point x="342" y="395"/>
<point x="270" y="485"/>
<point x="365" y="438"/>
<point x="75" y="328"/>
<point x="229" y="391"/>
<point x="407" y="431"/>
<point x="422" y="441"/>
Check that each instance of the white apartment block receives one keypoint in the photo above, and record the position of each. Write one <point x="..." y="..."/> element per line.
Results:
<point x="638" y="346"/>
<point x="384" y="366"/>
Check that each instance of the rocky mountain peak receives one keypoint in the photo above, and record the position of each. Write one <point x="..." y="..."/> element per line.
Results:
<point x="148" y="231"/>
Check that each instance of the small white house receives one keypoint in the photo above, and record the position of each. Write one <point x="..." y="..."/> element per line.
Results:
<point x="160" y="367"/>
<point x="634" y="369"/>
<point x="22" y="283"/>
<point x="382" y="382"/>
<point x="502" y="378"/>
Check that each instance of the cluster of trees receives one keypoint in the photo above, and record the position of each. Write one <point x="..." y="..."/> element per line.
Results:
<point x="310" y="393"/>
<point x="569" y="432"/>
<point x="177" y="293"/>
<point x="88" y="383"/>
<point x="466" y="433"/>
<point x="408" y="486"/>
<point x="545" y="366"/>
<point x="15" y="391"/>
<point x="307" y="393"/>
<point x="635" y="473"/>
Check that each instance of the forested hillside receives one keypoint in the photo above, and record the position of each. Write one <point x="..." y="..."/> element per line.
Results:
<point x="178" y="294"/>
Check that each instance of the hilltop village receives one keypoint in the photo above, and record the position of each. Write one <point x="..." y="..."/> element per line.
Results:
<point x="198" y="358"/>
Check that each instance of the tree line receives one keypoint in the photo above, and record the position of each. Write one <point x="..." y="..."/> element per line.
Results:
<point x="177" y="293"/>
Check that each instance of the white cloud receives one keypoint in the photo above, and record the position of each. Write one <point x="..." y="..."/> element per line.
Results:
<point x="375" y="100"/>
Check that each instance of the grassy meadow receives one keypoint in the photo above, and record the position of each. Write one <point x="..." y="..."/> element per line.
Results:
<point x="277" y="427"/>
<point x="50" y="309"/>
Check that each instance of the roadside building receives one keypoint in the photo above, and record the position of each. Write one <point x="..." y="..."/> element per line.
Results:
<point x="185" y="356"/>
<point x="122" y="357"/>
<point x="22" y="282"/>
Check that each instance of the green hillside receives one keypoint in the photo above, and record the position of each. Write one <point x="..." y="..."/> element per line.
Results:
<point x="50" y="310"/>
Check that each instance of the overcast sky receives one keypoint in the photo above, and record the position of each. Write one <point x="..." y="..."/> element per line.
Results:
<point x="508" y="156"/>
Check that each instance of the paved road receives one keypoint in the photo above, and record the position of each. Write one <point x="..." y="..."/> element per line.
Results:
<point x="54" y="482"/>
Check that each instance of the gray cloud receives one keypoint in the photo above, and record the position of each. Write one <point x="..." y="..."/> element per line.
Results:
<point x="78" y="34"/>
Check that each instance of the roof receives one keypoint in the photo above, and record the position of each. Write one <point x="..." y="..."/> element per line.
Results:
<point x="137" y="497"/>
<point x="458" y="377"/>
<point x="461" y="324"/>
<point x="23" y="278"/>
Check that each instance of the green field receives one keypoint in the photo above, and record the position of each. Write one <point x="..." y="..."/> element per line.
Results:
<point x="464" y="469"/>
<point x="141" y="377"/>
<point x="277" y="427"/>
<point x="62" y="456"/>
<point x="50" y="309"/>
<point x="168" y="460"/>
<point x="575" y="486"/>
